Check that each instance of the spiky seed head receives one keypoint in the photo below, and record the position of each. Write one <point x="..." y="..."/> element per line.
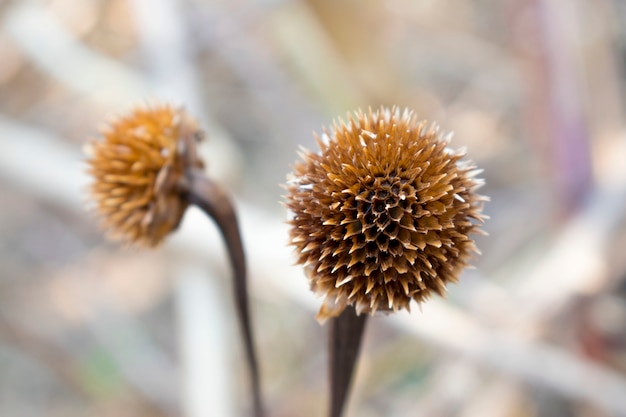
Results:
<point x="137" y="167"/>
<point x="383" y="213"/>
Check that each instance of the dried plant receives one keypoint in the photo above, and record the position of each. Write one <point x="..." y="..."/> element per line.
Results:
<point x="382" y="215"/>
<point x="138" y="168"/>
<point x="146" y="172"/>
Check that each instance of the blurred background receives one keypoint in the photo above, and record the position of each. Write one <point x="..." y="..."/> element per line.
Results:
<point x="532" y="88"/>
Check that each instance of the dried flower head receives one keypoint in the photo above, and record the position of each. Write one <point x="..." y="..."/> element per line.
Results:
<point x="382" y="215"/>
<point x="137" y="168"/>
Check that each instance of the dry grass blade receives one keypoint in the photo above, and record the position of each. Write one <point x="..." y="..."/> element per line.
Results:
<point x="346" y="332"/>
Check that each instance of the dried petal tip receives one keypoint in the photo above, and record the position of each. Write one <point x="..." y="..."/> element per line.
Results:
<point x="137" y="167"/>
<point x="383" y="213"/>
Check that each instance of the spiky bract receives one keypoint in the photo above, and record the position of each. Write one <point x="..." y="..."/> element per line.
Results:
<point x="137" y="168"/>
<point x="382" y="215"/>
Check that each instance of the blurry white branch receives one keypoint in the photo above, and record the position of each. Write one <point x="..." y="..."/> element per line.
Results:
<point x="36" y="172"/>
<point x="206" y="364"/>
<point x="171" y="74"/>
<point x="57" y="52"/>
<point x="442" y="325"/>
<point x="167" y="48"/>
<point x="571" y="376"/>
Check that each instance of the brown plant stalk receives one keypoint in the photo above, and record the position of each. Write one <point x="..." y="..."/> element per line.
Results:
<point x="146" y="172"/>
<point x="214" y="201"/>
<point x="346" y="333"/>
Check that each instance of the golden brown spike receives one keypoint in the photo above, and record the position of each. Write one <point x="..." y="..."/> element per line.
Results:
<point x="137" y="168"/>
<point x="386" y="202"/>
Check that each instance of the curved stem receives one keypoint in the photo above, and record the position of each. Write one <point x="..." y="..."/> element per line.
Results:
<point x="213" y="200"/>
<point x="346" y="333"/>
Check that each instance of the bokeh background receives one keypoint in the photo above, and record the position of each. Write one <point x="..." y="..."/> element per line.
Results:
<point x="532" y="88"/>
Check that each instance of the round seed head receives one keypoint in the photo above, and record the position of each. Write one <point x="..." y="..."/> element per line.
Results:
<point x="383" y="213"/>
<point x="137" y="168"/>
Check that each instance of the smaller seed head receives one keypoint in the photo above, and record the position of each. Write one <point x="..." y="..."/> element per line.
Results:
<point x="137" y="168"/>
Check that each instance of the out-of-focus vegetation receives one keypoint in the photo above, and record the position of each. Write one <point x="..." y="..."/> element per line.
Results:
<point x="533" y="89"/>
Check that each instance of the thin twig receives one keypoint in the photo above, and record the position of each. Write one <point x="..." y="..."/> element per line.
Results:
<point x="31" y="25"/>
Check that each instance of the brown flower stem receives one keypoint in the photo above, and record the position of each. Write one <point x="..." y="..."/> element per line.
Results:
<point x="213" y="200"/>
<point x="346" y="332"/>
